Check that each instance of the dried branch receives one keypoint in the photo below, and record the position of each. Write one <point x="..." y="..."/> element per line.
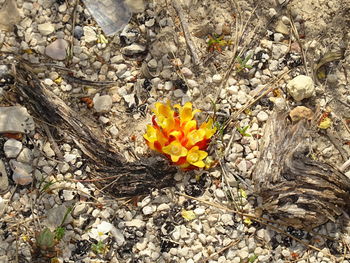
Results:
<point x="126" y="178"/>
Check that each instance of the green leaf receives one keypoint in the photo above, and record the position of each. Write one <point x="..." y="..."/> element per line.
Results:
<point x="252" y="258"/>
<point x="189" y="215"/>
<point x="59" y="233"/>
<point x="98" y="248"/>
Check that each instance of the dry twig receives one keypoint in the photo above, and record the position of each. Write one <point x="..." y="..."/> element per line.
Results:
<point x="187" y="34"/>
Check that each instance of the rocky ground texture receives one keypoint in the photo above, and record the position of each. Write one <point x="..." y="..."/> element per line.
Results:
<point x="51" y="212"/>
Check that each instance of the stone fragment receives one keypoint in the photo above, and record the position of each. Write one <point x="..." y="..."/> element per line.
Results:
<point x="25" y="156"/>
<point x="262" y="116"/>
<point x="133" y="49"/>
<point x="282" y="28"/>
<point x="152" y="64"/>
<point x="9" y="15"/>
<point x="279" y="50"/>
<point x="79" y="209"/>
<point x="4" y="181"/>
<point x="217" y="78"/>
<point x="89" y="34"/>
<point x="78" y="32"/>
<point x="102" y="103"/>
<point x="301" y="112"/>
<point x="301" y="87"/>
<point x="46" y="29"/>
<point x="56" y="215"/>
<point x="22" y="173"/>
<point x="57" y="50"/>
<point x="135" y="6"/>
<point x="48" y="150"/>
<point x="15" y="119"/>
<point x="12" y="148"/>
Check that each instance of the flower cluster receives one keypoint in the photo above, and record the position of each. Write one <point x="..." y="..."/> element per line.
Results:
<point x="175" y="133"/>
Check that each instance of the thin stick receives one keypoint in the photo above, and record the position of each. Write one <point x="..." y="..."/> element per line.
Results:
<point x="188" y="38"/>
<point x="296" y="35"/>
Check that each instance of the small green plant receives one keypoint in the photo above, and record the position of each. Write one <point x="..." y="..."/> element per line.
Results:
<point x="243" y="131"/>
<point x="59" y="233"/>
<point x="99" y="248"/>
<point x="45" y="240"/>
<point x="242" y="63"/>
<point x="216" y="42"/>
<point x="44" y="185"/>
<point x="252" y="258"/>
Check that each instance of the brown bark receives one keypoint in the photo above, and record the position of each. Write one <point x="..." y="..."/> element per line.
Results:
<point x="125" y="178"/>
<point x="302" y="192"/>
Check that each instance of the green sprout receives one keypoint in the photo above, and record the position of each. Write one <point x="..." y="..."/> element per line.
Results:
<point x="243" y="131"/>
<point x="45" y="239"/>
<point x="59" y="233"/>
<point x="252" y="258"/>
<point x="217" y="43"/>
<point x="242" y="63"/>
<point x="99" y="248"/>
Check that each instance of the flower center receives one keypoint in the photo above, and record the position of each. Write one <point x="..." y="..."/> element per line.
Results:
<point x="176" y="150"/>
<point x="193" y="157"/>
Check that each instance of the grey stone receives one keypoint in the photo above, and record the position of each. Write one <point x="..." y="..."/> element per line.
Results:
<point x="15" y="119"/>
<point x="4" y="182"/>
<point x="279" y="50"/>
<point x="102" y="103"/>
<point x="89" y="34"/>
<point x="130" y="100"/>
<point x="57" y="50"/>
<point x="79" y="209"/>
<point x="25" y="156"/>
<point x="9" y="15"/>
<point x="12" y="148"/>
<point x="147" y="210"/>
<point x="186" y="72"/>
<point x="178" y="93"/>
<point x="118" y="235"/>
<point x="219" y="193"/>
<point x="78" y="32"/>
<point x="133" y="49"/>
<point x="217" y="78"/>
<point x="135" y="6"/>
<point x="22" y="172"/>
<point x="48" y="150"/>
<point x="262" y="116"/>
<point x="46" y="29"/>
<point x="138" y="223"/>
<point x="120" y="69"/>
<point x="56" y="215"/>
<point x="152" y="64"/>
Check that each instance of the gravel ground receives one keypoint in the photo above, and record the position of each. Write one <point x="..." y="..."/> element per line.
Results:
<point x="42" y="194"/>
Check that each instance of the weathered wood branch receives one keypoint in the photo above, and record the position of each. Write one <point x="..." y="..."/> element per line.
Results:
<point x="302" y="192"/>
<point x="124" y="178"/>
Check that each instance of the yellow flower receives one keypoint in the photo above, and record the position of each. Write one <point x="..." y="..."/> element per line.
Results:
<point x="209" y="128"/>
<point x="163" y="110"/>
<point x="189" y="126"/>
<point x="154" y="136"/>
<point x="175" y="150"/>
<point x="185" y="112"/>
<point x="165" y="115"/>
<point x="196" y="156"/>
<point x="195" y="136"/>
